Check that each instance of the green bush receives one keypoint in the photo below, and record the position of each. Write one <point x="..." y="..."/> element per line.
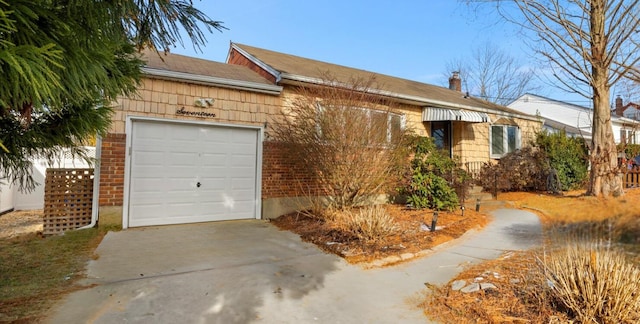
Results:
<point x="431" y="191"/>
<point x="433" y="178"/>
<point x="567" y="155"/>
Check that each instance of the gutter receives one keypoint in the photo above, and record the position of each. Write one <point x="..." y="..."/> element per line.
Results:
<point x="426" y="101"/>
<point x="209" y="80"/>
<point x="96" y="186"/>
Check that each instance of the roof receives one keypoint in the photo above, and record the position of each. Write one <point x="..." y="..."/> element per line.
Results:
<point x="292" y="69"/>
<point x="558" y="113"/>
<point x="190" y="69"/>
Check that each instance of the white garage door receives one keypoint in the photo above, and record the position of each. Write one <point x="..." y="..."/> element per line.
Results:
<point x="187" y="173"/>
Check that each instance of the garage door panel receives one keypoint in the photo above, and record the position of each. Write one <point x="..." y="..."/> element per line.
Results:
<point x="243" y="183"/>
<point x="214" y="160"/>
<point x="169" y="159"/>
<point x="242" y="160"/>
<point x="149" y="158"/>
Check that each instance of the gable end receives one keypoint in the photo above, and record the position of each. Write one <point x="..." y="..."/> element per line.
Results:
<point x="237" y="58"/>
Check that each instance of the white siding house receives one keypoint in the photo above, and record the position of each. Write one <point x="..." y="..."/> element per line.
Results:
<point x="573" y="119"/>
<point x="11" y="198"/>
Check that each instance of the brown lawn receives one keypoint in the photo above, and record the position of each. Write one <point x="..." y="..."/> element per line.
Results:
<point x="517" y="298"/>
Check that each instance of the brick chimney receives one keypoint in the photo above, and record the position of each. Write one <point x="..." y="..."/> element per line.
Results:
<point x="618" y="105"/>
<point x="454" y="81"/>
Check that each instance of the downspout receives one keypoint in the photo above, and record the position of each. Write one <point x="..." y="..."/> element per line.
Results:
<point x="96" y="186"/>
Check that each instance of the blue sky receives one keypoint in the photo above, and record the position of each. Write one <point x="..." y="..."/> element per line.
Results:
<point x="407" y="39"/>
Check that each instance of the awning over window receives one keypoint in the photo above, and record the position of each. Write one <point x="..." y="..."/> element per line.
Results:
<point x="441" y="114"/>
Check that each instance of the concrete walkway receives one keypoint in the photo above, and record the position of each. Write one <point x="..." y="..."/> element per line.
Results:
<point x="251" y="272"/>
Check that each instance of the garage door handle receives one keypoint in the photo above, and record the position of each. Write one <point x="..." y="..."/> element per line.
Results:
<point x="198" y="184"/>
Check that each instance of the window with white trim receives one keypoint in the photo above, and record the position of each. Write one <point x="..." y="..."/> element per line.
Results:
<point x="504" y="140"/>
<point x="628" y="136"/>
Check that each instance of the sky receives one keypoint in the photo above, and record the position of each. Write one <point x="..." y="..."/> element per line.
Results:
<point x="407" y="39"/>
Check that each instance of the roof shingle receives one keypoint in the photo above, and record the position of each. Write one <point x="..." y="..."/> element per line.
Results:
<point x="190" y="65"/>
<point x="291" y="66"/>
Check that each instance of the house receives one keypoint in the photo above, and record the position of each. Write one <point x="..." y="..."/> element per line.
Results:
<point x="194" y="145"/>
<point x="573" y="119"/>
<point x="631" y="110"/>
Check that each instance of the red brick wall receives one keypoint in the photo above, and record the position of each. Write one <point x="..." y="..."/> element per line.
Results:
<point x="238" y="59"/>
<point x="112" y="169"/>
<point x="280" y="175"/>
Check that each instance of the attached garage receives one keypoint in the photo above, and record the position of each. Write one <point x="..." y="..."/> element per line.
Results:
<point x="186" y="172"/>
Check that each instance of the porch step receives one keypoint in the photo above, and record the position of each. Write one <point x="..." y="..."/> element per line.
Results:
<point x="485" y="198"/>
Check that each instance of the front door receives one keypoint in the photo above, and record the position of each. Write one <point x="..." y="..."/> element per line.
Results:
<point x="441" y="134"/>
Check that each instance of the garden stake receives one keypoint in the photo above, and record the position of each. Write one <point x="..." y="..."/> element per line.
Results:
<point x="434" y="221"/>
<point x="462" y="208"/>
<point x="478" y="204"/>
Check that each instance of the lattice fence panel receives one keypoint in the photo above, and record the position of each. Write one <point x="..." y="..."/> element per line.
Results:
<point x="68" y="195"/>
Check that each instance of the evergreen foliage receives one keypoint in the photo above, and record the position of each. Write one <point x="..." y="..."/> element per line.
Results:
<point x="64" y="62"/>
<point x="432" y="177"/>
<point x="567" y="155"/>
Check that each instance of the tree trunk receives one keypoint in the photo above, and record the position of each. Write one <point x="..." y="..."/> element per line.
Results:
<point x="605" y="178"/>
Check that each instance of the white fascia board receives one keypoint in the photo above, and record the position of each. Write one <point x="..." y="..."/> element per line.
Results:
<point x="276" y="74"/>
<point x="625" y="121"/>
<point x="421" y="100"/>
<point x="209" y="80"/>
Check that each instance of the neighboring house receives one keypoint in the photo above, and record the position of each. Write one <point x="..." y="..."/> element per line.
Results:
<point x="630" y="110"/>
<point x="573" y="119"/>
<point x="194" y="145"/>
<point x="11" y="198"/>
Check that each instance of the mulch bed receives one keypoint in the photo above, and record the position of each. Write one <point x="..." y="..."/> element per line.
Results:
<point x="412" y="236"/>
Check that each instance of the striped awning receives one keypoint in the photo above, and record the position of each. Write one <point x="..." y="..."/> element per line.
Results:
<point x="442" y="114"/>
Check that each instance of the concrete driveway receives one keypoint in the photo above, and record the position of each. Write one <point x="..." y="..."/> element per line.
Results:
<point x="249" y="271"/>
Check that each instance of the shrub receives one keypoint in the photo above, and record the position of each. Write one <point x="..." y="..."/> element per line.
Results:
<point x="432" y="176"/>
<point x="567" y="155"/>
<point x="528" y="168"/>
<point x="630" y="150"/>
<point x="517" y="171"/>
<point x="595" y="284"/>
<point x="346" y="142"/>
<point x="431" y="191"/>
<point x="369" y="223"/>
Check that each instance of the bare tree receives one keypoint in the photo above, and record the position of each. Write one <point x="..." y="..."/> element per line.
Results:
<point x="346" y="139"/>
<point x="493" y="75"/>
<point x="590" y="45"/>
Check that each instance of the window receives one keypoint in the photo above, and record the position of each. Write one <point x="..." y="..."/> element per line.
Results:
<point x="628" y="136"/>
<point x="504" y="139"/>
<point x="385" y="126"/>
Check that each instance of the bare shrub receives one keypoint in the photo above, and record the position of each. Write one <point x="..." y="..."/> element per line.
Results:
<point x="369" y="224"/>
<point x="521" y="170"/>
<point x="348" y="141"/>
<point x="596" y="284"/>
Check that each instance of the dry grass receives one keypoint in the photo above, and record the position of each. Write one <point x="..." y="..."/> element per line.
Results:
<point x="575" y="207"/>
<point x="369" y="224"/>
<point x="20" y="222"/>
<point x="35" y="271"/>
<point x="596" y="284"/>
<point x="597" y="281"/>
